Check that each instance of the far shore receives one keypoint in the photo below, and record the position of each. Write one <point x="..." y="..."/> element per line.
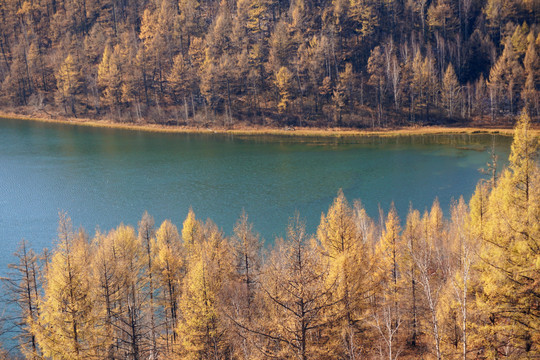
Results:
<point x="257" y="130"/>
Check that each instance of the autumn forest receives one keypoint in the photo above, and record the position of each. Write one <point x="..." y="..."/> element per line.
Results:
<point x="360" y="63"/>
<point x="464" y="286"/>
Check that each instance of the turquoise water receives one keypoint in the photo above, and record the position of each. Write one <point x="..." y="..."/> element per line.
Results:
<point x="103" y="177"/>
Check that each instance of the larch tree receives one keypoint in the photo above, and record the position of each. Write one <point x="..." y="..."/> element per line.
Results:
<point x="349" y="269"/>
<point x="159" y="26"/>
<point x="457" y="300"/>
<point x="146" y="234"/>
<point x="280" y="47"/>
<point x="23" y="288"/>
<point x="530" y="91"/>
<point x="496" y="12"/>
<point x="451" y="90"/>
<point x="191" y="232"/>
<point x="68" y="82"/>
<point x="387" y="315"/>
<point x="242" y="307"/>
<point x="131" y="320"/>
<point x="169" y="272"/>
<point x="296" y="294"/>
<point x="430" y="261"/>
<point x="506" y="74"/>
<point x="377" y="78"/>
<point x="365" y="18"/>
<point x="247" y="249"/>
<point x="69" y="325"/>
<point x="284" y="85"/>
<point x="189" y="21"/>
<point x="106" y="282"/>
<point x="412" y="234"/>
<point x="109" y="77"/>
<point x="202" y="328"/>
<point x="509" y="268"/>
<point x="180" y="81"/>
<point x="342" y="95"/>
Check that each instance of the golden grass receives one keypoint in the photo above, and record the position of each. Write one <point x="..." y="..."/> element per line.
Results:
<point x="253" y="130"/>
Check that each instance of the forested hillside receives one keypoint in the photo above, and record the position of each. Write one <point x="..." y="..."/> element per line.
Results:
<point x="463" y="287"/>
<point x="366" y="63"/>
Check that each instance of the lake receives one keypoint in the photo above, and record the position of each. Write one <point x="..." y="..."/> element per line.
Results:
<point x="103" y="177"/>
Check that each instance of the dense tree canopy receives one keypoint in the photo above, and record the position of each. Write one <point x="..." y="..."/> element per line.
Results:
<point x="292" y="62"/>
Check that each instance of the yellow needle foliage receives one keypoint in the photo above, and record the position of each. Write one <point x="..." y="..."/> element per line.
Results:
<point x="510" y="268"/>
<point x="169" y="270"/>
<point x="209" y="269"/>
<point x="69" y="325"/>
<point x="465" y="286"/>
<point x="349" y="262"/>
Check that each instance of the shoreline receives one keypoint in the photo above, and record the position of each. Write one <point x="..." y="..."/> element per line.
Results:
<point x="253" y="130"/>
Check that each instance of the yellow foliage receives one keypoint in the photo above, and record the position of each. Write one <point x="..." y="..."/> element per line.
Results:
<point x="201" y="328"/>
<point x="390" y="248"/>
<point x="283" y="82"/>
<point x="337" y="231"/>
<point x="190" y="231"/>
<point x="169" y="268"/>
<point x="509" y="276"/>
<point x="69" y="326"/>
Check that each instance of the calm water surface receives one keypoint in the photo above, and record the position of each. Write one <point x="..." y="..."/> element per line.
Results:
<point x="103" y="177"/>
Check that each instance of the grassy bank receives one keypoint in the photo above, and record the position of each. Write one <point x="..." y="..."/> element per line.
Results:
<point x="254" y="130"/>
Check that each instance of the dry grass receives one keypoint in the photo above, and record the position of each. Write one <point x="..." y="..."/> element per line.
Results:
<point x="246" y="130"/>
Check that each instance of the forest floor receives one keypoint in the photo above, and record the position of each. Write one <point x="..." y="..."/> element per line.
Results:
<point x="244" y="129"/>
